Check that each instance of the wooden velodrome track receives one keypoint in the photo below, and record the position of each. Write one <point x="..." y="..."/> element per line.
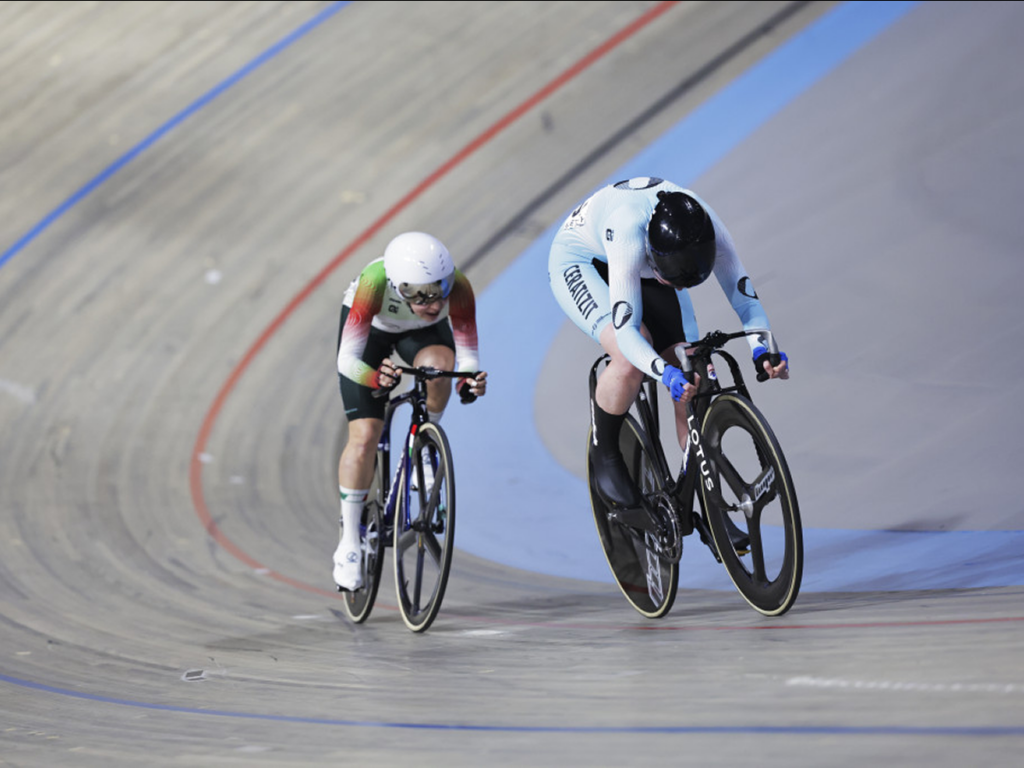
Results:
<point x="185" y="191"/>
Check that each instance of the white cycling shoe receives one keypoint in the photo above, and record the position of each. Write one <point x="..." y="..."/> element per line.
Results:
<point x="348" y="567"/>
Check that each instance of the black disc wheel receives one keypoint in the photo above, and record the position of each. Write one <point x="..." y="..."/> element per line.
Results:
<point x="648" y="580"/>
<point x="424" y="531"/>
<point x="751" y="505"/>
<point x="358" y="604"/>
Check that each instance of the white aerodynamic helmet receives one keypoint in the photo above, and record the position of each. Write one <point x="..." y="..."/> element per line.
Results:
<point x="419" y="267"/>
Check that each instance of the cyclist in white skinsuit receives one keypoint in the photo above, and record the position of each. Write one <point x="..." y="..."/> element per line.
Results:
<point x="620" y="267"/>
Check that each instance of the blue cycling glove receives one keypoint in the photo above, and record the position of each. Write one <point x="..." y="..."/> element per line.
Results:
<point x="675" y="380"/>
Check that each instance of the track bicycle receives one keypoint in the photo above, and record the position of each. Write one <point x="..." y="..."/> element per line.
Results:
<point x="733" y="466"/>
<point x="411" y="514"/>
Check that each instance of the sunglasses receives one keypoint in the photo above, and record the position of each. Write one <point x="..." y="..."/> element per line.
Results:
<point x="424" y="293"/>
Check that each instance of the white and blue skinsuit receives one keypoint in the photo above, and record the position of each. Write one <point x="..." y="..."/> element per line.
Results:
<point x="611" y="226"/>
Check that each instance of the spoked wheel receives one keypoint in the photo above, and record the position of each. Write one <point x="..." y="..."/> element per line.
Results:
<point x="424" y="534"/>
<point x="752" y="511"/>
<point x="358" y="604"/>
<point x="648" y="580"/>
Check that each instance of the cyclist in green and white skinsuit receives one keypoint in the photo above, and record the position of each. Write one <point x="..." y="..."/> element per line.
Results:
<point x="413" y="301"/>
<point x="620" y="267"/>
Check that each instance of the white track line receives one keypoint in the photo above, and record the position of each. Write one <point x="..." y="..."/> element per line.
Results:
<point x="893" y="685"/>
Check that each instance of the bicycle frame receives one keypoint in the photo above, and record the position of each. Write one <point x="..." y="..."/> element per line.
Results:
<point x="682" y="486"/>
<point x="414" y="515"/>
<point x="417" y="399"/>
<point x="746" y="510"/>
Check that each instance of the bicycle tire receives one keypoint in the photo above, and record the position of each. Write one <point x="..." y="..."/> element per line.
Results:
<point x="647" y="581"/>
<point x="358" y="604"/>
<point x="424" y="531"/>
<point x="751" y="489"/>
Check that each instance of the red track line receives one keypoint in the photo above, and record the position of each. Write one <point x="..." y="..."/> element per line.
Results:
<point x="196" y="465"/>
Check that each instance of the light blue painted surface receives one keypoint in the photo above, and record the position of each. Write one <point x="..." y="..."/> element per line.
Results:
<point x="520" y="507"/>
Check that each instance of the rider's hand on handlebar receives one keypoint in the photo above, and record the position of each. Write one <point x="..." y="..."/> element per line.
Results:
<point x="388" y="375"/>
<point x="470" y="389"/>
<point x="770" y="366"/>
<point x="678" y="385"/>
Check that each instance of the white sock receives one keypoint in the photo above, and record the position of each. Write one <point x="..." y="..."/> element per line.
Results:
<point x="352" y="501"/>
<point x="433" y="417"/>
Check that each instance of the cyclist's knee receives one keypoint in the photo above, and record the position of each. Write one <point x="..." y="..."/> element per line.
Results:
<point x="436" y="356"/>
<point x="439" y="392"/>
<point x="363" y="435"/>
<point x="621" y="370"/>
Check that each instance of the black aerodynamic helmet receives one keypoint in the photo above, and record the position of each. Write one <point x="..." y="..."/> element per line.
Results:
<point x="682" y="240"/>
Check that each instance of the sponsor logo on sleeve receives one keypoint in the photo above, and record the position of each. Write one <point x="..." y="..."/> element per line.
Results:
<point x="621" y="313"/>
<point x="746" y="287"/>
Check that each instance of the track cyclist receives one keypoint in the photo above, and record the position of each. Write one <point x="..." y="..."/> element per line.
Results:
<point x="412" y="301"/>
<point x="621" y="267"/>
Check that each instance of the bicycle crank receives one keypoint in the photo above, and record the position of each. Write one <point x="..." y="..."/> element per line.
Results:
<point x="670" y="533"/>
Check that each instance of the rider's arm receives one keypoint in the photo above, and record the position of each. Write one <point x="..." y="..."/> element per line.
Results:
<point x="736" y="284"/>
<point x="462" y="312"/>
<point x="627" y="255"/>
<point x="367" y="301"/>
<point x="733" y="278"/>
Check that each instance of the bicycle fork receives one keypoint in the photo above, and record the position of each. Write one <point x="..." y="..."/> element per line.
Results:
<point x="695" y="459"/>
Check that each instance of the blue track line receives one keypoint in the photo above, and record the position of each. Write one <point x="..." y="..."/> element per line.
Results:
<point x="778" y="730"/>
<point x="146" y="143"/>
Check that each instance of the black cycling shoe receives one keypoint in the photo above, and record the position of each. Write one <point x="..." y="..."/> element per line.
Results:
<point x="613" y="482"/>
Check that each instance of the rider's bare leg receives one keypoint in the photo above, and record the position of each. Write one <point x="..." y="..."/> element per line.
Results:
<point x="355" y="474"/>
<point x="439" y="390"/>
<point x="617" y="387"/>
<point x="682" y="428"/>
<point x="438" y="393"/>
<point x="355" y="468"/>
<point x="620" y="381"/>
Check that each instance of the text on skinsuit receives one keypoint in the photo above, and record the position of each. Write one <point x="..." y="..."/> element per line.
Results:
<point x="578" y="290"/>
<point x="698" y="451"/>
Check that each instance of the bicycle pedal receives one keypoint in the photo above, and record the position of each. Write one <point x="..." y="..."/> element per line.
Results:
<point x="740" y="544"/>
